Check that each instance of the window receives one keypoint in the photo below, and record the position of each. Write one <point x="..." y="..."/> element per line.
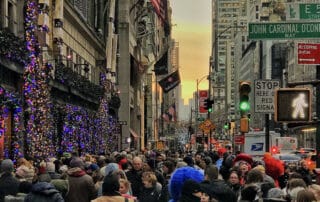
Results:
<point x="86" y="69"/>
<point x="82" y="7"/>
<point x="69" y="57"/>
<point x="77" y="68"/>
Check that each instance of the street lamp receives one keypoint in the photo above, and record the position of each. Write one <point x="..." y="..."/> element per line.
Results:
<point x="129" y="142"/>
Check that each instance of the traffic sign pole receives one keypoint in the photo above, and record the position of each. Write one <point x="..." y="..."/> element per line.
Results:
<point x="318" y="117"/>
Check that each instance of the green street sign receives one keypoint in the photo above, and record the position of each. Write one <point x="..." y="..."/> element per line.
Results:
<point x="288" y="30"/>
<point x="302" y="11"/>
<point x="309" y="11"/>
<point x="200" y="118"/>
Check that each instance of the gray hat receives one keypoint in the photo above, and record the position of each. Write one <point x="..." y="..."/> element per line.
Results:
<point x="77" y="162"/>
<point x="6" y="166"/>
<point x="275" y="193"/>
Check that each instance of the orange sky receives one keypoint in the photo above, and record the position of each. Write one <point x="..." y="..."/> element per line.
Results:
<point x="193" y="32"/>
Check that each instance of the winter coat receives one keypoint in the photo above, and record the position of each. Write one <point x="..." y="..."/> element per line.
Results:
<point x="306" y="176"/>
<point x="149" y="194"/>
<point x="236" y="188"/>
<point x="43" y="192"/>
<point x="111" y="199"/>
<point x="136" y="181"/>
<point x="16" y="198"/>
<point x="81" y="186"/>
<point x="283" y="180"/>
<point x="9" y="185"/>
<point x="25" y="173"/>
<point x="219" y="190"/>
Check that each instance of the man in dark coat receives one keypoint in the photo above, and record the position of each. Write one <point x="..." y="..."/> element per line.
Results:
<point x="216" y="188"/>
<point x="81" y="185"/>
<point x="134" y="176"/>
<point x="9" y="185"/>
<point x="44" y="191"/>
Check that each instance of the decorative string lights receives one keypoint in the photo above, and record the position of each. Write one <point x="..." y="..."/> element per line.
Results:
<point x="36" y="90"/>
<point x="11" y="102"/>
<point x="36" y="130"/>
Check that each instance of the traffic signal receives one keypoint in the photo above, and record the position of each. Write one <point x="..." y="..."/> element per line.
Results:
<point x="293" y="105"/>
<point x="274" y="150"/>
<point x="208" y="104"/>
<point x="226" y="125"/>
<point x="244" y="90"/>
<point x="244" y="125"/>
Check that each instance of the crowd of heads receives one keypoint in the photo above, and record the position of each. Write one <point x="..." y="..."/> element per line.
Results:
<point x="167" y="176"/>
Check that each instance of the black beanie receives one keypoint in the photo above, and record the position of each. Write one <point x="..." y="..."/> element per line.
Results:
<point x="111" y="185"/>
<point x="152" y="163"/>
<point x="190" y="187"/>
<point x="188" y="160"/>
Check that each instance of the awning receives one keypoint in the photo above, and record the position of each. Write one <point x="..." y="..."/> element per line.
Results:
<point x="133" y="133"/>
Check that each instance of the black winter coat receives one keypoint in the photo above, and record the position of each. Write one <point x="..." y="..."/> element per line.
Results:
<point x="149" y="195"/>
<point x="9" y="185"/>
<point x="44" y="192"/>
<point x="135" y="178"/>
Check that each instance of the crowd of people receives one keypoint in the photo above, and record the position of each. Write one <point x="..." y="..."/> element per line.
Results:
<point x="154" y="176"/>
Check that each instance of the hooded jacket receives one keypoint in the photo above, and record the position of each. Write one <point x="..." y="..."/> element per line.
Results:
<point x="44" y="191"/>
<point x="81" y="186"/>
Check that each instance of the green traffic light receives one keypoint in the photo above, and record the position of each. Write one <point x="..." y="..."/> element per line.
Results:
<point x="226" y="126"/>
<point x="244" y="106"/>
<point x="210" y="110"/>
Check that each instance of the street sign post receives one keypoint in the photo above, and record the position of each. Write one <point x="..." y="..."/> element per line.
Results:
<point x="308" y="53"/>
<point x="287" y="30"/>
<point x="239" y="139"/>
<point x="264" y="95"/>
<point x="303" y="11"/>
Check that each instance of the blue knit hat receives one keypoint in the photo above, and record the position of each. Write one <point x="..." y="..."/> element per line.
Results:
<point x="179" y="176"/>
<point x="110" y="168"/>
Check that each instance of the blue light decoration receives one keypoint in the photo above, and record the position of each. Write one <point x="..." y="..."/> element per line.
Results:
<point x="82" y="131"/>
<point x="39" y="129"/>
<point x="10" y="102"/>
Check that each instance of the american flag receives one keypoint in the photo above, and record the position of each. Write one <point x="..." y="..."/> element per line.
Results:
<point x="160" y="8"/>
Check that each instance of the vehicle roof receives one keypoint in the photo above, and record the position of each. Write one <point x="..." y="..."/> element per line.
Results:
<point x="287" y="157"/>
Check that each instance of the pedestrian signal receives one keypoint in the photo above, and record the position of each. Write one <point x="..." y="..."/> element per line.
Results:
<point x="292" y="105"/>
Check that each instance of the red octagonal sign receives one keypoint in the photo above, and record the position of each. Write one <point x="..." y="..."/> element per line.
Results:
<point x="308" y="53"/>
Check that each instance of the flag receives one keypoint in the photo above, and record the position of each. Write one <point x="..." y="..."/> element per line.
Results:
<point x="170" y="82"/>
<point x="172" y="112"/>
<point x="161" y="66"/>
<point x="160" y="8"/>
<point x="166" y="117"/>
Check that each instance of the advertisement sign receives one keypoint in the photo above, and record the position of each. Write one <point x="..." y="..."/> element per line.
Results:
<point x="203" y="94"/>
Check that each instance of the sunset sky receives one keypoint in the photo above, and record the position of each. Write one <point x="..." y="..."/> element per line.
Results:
<point x="192" y="29"/>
